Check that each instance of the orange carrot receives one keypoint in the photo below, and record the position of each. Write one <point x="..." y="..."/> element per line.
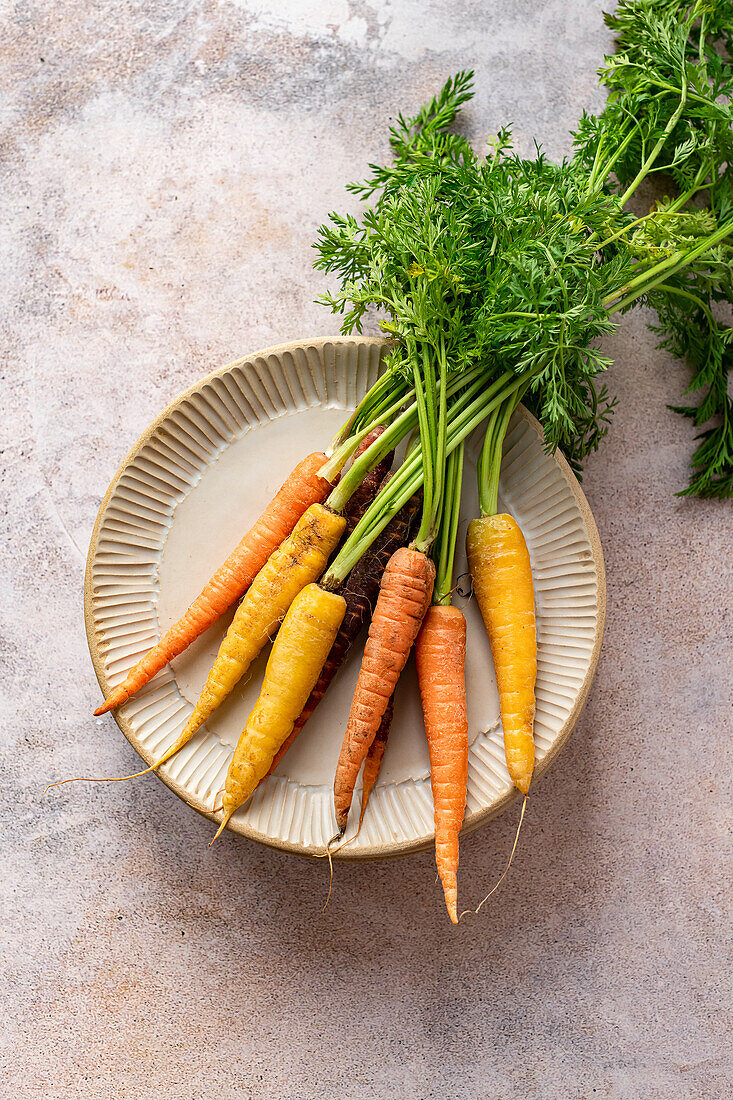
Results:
<point x="374" y="757"/>
<point x="404" y="597"/>
<point x="303" y="488"/>
<point x="440" y="656"/>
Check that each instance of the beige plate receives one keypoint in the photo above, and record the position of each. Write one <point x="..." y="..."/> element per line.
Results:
<point x="196" y="480"/>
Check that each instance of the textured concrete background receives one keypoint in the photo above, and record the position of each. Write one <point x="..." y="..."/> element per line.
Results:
<point x="164" y="168"/>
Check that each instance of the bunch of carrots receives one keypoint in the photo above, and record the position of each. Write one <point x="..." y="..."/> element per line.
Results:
<point x="495" y="275"/>
<point x="333" y="545"/>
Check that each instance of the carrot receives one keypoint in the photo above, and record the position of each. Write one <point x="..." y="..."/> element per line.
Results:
<point x="440" y="656"/>
<point x="374" y="757"/>
<point x="360" y="592"/>
<point x="404" y="596"/>
<point x="299" y="560"/>
<point x="297" y="656"/>
<point x="301" y="489"/>
<point x="502" y="582"/>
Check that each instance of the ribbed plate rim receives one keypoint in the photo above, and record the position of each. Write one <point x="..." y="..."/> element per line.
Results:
<point x="245" y="828"/>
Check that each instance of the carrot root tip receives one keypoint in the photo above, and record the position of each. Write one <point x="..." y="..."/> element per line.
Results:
<point x="220" y="830"/>
<point x="329" y="856"/>
<point x="449" y="883"/>
<point x="214" y="809"/>
<point x="346" y="843"/>
<point x="94" y="779"/>
<point x="511" y="857"/>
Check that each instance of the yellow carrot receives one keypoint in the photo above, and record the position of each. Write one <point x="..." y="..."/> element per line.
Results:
<point x="502" y="582"/>
<point x="297" y="657"/>
<point x="299" y="560"/>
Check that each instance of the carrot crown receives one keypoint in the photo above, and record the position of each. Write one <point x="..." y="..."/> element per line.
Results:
<point x="467" y="409"/>
<point x="445" y="548"/>
<point x="489" y="462"/>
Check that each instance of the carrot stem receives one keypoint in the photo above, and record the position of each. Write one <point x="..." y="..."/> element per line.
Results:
<point x="441" y="442"/>
<point x="385" y="414"/>
<point x="424" y="390"/>
<point x="651" y="277"/>
<point x="483" y="469"/>
<point x="397" y="430"/>
<point x="433" y="440"/>
<point x="443" y="590"/>
<point x="475" y="404"/>
<point x="387" y="386"/>
<point x="406" y="422"/>
<point x="489" y="465"/>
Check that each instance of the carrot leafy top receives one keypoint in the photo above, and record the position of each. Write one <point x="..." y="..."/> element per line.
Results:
<point x="519" y="265"/>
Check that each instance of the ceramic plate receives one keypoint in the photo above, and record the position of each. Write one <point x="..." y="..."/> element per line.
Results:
<point x="198" y="478"/>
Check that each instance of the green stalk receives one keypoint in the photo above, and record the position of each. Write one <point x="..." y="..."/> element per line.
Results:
<point x="433" y="441"/>
<point x="427" y="450"/>
<point x="443" y="590"/>
<point x="663" y="270"/>
<point x="659" y="215"/>
<point x="483" y="467"/>
<point x="618" y="152"/>
<point x="385" y="388"/>
<point x="489" y="490"/>
<point x="648" y="163"/>
<point x="405" y="483"/>
<point x="389" y="439"/>
<point x="594" y="167"/>
<point x="476" y="414"/>
<point x="396" y="431"/>
<point x="693" y="298"/>
<point x="441" y="442"/>
<point x="428" y="373"/>
<point x="341" y="455"/>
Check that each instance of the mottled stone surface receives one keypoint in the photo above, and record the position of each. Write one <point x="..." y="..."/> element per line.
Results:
<point x="164" y="168"/>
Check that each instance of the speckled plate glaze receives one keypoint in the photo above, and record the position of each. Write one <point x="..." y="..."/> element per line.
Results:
<point x="197" y="479"/>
